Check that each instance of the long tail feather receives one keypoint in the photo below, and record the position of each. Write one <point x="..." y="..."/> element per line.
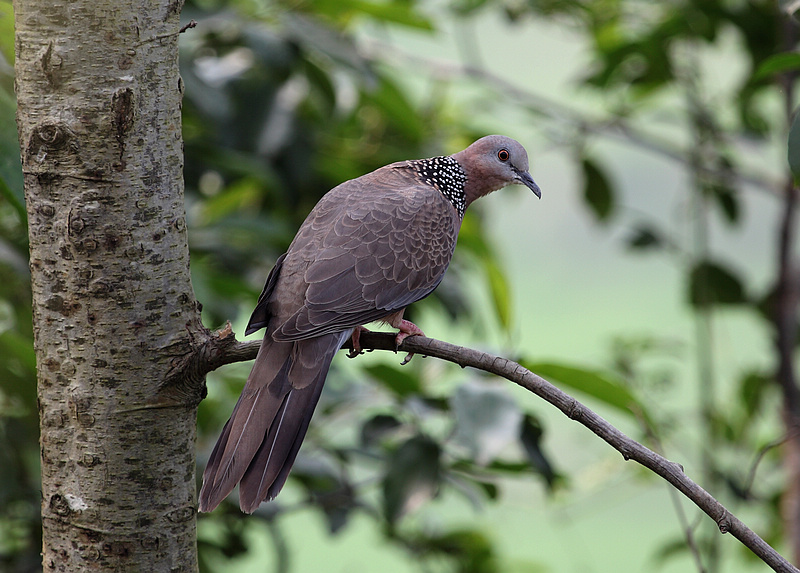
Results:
<point x="260" y="442"/>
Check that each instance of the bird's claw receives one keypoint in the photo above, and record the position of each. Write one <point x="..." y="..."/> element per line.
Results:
<point x="355" y="338"/>
<point x="407" y="328"/>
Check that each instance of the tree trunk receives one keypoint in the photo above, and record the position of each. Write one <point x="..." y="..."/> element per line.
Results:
<point x="99" y="122"/>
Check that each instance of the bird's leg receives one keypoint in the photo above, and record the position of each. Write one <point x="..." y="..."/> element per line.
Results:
<point x="355" y="338"/>
<point x="406" y="328"/>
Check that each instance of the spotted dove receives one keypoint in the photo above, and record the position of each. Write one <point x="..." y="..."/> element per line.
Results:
<point x="370" y="247"/>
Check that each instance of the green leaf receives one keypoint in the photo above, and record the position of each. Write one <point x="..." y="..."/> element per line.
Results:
<point x="7" y="31"/>
<point x="794" y="147"/>
<point x="487" y="419"/>
<point x="377" y="428"/>
<point x="606" y="388"/>
<point x="531" y="438"/>
<point x="597" y="190"/>
<point x="501" y="293"/>
<point x="644" y="237"/>
<point x="401" y="13"/>
<point x="751" y="391"/>
<point x="401" y="382"/>
<point x="778" y="63"/>
<point x="413" y="477"/>
<point x="727" y="200"/>
<point x="11" y="184"/>
<point x="13" y="198"/>
<point x="467" y="550"/>
<point x="711" y="284"/>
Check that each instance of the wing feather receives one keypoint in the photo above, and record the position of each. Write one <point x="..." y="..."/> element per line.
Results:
<point x="371" y="247"/>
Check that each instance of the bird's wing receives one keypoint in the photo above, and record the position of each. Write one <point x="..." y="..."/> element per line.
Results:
<point x="370" y="247"/>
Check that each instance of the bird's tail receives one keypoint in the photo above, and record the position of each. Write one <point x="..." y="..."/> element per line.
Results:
<point x="260" y="442"/>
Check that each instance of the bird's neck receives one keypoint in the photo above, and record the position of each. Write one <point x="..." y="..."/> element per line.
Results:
<point x="446" y="175"/>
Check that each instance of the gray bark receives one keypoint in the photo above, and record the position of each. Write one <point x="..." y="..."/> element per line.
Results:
<point x="99" y="122"/>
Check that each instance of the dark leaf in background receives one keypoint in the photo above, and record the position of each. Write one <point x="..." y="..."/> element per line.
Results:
<point x="643" y="238"/>
<point x="412" y="478"/>
<point x="752" y="387"/>
<point x="378" y="427"/>
<point x="500" y="291"/>
<point x="597" y="191"/>
<point x="711" y="283"/>
<point x="531" y="438"/>
<point x="777" y="64"/>
<point x="727" y="200"/>
<point x="475" y="489"/>
<point x="471" y="551"/>
<point x="328" y="490"/>
<point x="10" y="166"/>
<point x="601" y="386"/>
<point x="402" y="382"/>
<point x="487" y="419"/>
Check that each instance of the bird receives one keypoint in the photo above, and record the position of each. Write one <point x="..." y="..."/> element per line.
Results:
<point x="369" y="248"/>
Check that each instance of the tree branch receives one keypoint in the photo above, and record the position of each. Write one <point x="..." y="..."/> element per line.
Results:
<point x="510" y="370"/>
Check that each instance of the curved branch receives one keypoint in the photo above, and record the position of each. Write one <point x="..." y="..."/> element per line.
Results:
<point x="510" y="370"/>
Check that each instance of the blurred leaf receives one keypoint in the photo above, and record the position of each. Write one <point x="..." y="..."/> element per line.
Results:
<point x="328" y="491"/>
<point x="10" y="167"/>
<point x="672" y="549"/>
<point x="487" y="419"/>
<point x="470" y="550"/>
<point x="710" y="283"/>
<point x="751" y="391"/>
<point x="603" y="387"/>
<point x="644" y="237"/>
<point x="501" y="292"/>
<point x="403" y="382"/>
<point x="531" y="438"/>
<point x="474" y="489"/>
<point x="241" y="196"/>
<point x="397" y="109"/>
<point x="489" y="488"/>
<point x="597" y="191"/>
<point x="377" y="428"/>
<point x="7" y="31"/>
<point x="413" y="477"/>
<point x="464" y="7"/>
<point x="794" y="147"/>
<point x="510" y="467"/>
<point x="402" y="13"/>
<point x="328" y="42"/>
<point x="785" y="62"/>
<point x="472" y="238"/>
<point x="728" y="202"/>
<point x="13" y="198"/>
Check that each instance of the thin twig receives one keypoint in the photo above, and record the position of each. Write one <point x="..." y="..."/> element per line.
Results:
<point x="572" y="408"/>
<point x="191" y="24"/>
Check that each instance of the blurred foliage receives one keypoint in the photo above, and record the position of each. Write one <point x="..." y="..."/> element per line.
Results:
<point x="281" y="105"/>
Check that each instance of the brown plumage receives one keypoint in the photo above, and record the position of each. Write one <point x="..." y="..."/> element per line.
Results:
<point x="370" y="247"/>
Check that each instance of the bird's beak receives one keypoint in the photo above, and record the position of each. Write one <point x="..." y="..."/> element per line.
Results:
<point x="525" y="178"/>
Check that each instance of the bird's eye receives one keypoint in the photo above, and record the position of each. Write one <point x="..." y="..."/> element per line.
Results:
<point x="503" y="155"/>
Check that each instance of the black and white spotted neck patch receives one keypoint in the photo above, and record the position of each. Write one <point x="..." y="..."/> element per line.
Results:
<point x="445" y="174"/>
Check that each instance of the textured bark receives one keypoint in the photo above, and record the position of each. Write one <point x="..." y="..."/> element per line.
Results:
<point x="100" y="131"/>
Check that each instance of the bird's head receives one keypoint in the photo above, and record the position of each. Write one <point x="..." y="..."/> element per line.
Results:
<point x="493" y="162"/>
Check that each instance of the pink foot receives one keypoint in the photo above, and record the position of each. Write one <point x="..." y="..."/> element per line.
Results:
<point x="407" y="328"/>
<point x="355" y="338"/>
